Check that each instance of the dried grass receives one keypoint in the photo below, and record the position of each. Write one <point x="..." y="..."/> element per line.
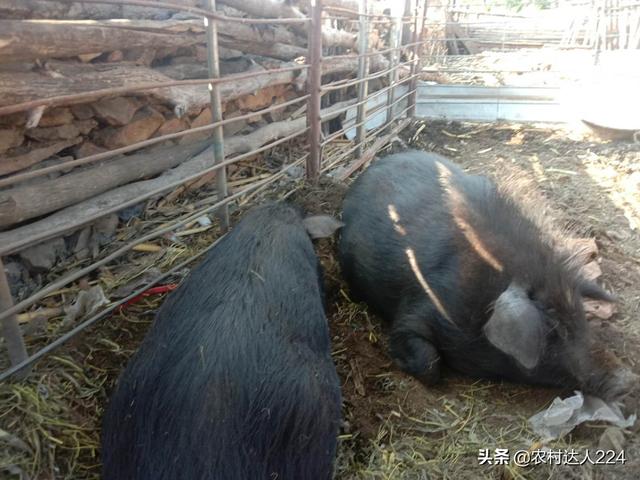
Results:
<point x="394" y="428"/>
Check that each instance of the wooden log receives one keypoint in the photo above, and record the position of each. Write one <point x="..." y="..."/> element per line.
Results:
<point x="335" y="37"/>
<point x="284" y="8"/>
<point x="83" y="212"/>
<point x="64" y="78"/>
<point x="350" y="64"/>
<point x="32" y="39"/>
<point x="347" y="4"/>
<point x="65" y="10"/>
<point x="184" y="71"/>
<point x="61" y="132"/>
<point x="331" y="37"/>
<point x="34" y="199"/>
<point x="20" y="9"/>
<point x="281" y="51"/>
<point x="266" y="8"/>
<point x="36" y="155"/>
<point x="10" y="138"/>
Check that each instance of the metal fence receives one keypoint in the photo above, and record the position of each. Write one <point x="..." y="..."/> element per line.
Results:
<point x="365" y="146"/>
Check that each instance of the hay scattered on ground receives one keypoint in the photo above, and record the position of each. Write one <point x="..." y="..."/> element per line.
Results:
<point x="394" y="428"/>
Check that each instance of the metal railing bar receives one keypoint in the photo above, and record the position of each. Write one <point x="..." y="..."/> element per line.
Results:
<point x="371" y="113"/>
<point x="94" y="94"/>
<point x="370" y="153"/>
<point x="339" y="85"/>
<point x="378" y="92"/>
<point x="374" y="52"/>
<point x="373" y="133"/>
<point x="10" y="248"/>
<point x="12" y="180"/>
<point x="90" y="321"/>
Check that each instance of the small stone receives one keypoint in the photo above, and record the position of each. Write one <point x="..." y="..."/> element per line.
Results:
<point x="105" y="229"/>
<point x="81" y="248"/>
<point x="295" y="172"/>
<point x="42" y="257"/>
<point x="134" y="211"/>
<point x="16" y="275"/>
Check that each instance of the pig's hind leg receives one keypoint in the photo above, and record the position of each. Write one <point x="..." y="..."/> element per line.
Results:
<point x="411" y="345"/>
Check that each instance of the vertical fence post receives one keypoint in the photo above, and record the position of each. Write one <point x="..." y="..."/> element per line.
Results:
<point x="314" y="81"/>
<point x="10" y="327"/>
<point x="418" y="27"/>
<point x="363" y="72"/>
<point x="213" y="61"/>
<point x="395" y="39"/>
<point x="598" y="22"/>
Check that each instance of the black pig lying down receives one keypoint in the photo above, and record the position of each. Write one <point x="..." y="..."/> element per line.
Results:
<point x="467" y="278"/>
<point x="235" y="379"/>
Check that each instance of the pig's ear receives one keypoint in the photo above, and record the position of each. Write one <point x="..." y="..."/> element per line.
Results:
<point x="589" y="288"/>
<point x="321" y="226"/>
<point x="516" y="327"/>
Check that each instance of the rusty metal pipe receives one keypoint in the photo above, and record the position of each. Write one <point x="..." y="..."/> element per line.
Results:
<point x="363" y="72"/>
<point x="42" y="293"/>
<point x="107" y="92"/>
<point x="314" y="81"/>
<point x="90" y="321"/>
<point x="9" y="325"/>
<point x="20" y="177"/>
<point x="213" y="62"/>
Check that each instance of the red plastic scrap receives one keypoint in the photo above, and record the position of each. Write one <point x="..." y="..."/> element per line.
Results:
<point x="157" y="290"/>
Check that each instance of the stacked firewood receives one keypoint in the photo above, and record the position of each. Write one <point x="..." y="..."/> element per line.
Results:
<point x="58" y="48"/>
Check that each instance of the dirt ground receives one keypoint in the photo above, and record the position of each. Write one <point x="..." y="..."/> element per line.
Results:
<point x="394" y="428"/>
<point x="398" y="428"/>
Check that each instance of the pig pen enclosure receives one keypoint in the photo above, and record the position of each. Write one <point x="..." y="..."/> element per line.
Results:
<point x="132" y="133"/>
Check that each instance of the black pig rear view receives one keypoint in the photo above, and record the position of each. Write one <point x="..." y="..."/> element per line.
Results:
<point x="234" y="379"/>
<point x="465" y="276"/>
